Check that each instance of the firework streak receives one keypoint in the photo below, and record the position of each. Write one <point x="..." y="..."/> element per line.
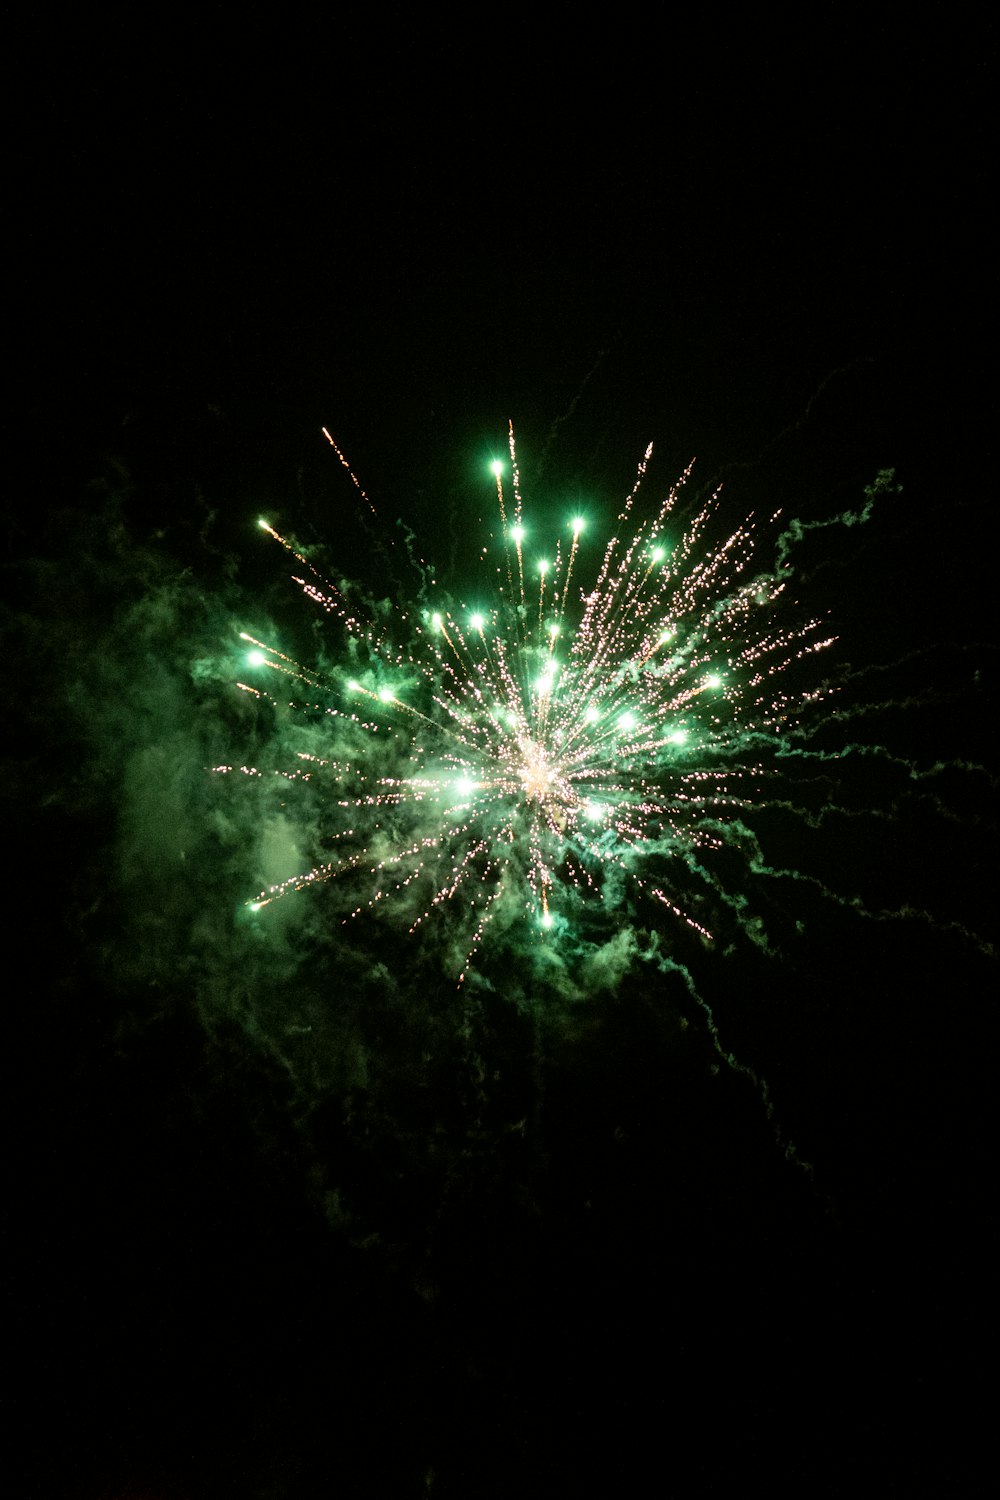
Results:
<point x="565" y="743"/>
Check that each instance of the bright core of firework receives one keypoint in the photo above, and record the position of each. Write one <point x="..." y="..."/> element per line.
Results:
<point x="514" y="757"/>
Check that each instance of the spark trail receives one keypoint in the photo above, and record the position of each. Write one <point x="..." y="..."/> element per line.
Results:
<point x="565" y="746"/>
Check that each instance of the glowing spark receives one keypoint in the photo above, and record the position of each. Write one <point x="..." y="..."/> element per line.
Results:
<point x="505" y="781"/>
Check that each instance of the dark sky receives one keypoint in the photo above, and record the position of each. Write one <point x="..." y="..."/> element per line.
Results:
<point x="280" y="1229"/>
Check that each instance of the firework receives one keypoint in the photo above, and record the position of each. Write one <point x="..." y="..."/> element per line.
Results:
<point x="565" y="743"/>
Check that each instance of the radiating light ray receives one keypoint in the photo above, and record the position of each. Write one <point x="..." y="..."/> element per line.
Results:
<point x="525" y="759"/>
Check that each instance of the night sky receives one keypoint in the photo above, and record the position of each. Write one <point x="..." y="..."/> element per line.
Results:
<point x="288" y="1214"/>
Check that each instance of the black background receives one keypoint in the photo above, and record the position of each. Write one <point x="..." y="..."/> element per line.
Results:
<point x="595" y="1273"/>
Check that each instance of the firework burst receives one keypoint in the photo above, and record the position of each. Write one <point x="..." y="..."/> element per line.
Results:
<point x="564" y="743"/>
